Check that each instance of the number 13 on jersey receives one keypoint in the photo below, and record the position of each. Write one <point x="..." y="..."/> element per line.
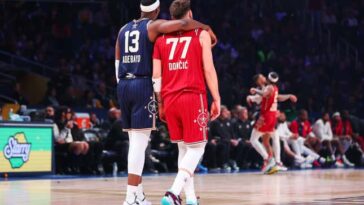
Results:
<point x="134" y="44"/>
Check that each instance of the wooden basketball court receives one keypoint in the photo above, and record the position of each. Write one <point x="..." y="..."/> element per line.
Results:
<point x="323" y="187"/>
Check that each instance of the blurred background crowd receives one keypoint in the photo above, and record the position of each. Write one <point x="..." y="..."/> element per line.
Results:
<point x="66" y="50"/>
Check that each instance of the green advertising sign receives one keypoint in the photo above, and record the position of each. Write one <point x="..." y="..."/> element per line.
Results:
<point x="25" y="149"/>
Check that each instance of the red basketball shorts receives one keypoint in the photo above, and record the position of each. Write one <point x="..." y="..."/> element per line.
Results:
<point x="266" y="122"/>
<point x="187" y="118"/>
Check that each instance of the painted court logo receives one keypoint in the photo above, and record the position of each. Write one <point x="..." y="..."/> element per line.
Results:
<point x="17" y="150"/>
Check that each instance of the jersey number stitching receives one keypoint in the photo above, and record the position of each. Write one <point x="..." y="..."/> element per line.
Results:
<point x="175" y="41"/>
<point x="134" y="36"/>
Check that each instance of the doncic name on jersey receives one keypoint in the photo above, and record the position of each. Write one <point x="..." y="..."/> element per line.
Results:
<point x="181" y="64"/>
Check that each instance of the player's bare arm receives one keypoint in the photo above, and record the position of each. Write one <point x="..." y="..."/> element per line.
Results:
<point x="264" y="92"/>
<point x="210" y="73"/>
<point x="117" y="60"/>
<point x="250" y="99"/>
<point x="282" y="98"/>
<point x="161" y="26"/>
<point x="157" y="85"/>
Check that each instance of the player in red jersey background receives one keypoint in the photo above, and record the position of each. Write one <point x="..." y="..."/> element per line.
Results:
<point x="265" y="125"/>
<point x="182" y="63"/>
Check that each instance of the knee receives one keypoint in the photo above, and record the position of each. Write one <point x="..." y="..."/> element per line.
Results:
<point x="86" y="146"/>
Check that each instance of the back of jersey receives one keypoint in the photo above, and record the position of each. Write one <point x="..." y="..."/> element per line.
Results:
<point x="135" y="49"/>
<point x="182" y="66"/>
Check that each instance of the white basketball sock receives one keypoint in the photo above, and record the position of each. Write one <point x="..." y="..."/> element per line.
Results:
<point x="131" y="193"/>
<point x="277" y="147"/>
<point x="190" y="190"/>
<point x="254" y="139"/>
<point x="189" y="187"/>
<point x="187" y="166"/>
<point x="140" y="192"/>
<point x="138" y="142"/>
<point x="180" y="181"/>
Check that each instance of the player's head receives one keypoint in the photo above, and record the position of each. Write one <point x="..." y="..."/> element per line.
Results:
<point x="150" y="8"/>
<point x="243" y="114"/>
<point x="303" y="115"/>
<point x="273" y="77"/>
<point x="282" y="117"/>
<point x="181" y="9"/>
<point x="336" y="116"/>
<point x="225" y="113"/>
<point x="326" y="116"/>
<point x="260" y="80"/>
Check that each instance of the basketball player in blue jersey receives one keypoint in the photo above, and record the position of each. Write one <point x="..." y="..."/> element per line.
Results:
<point x="133" y="65"/>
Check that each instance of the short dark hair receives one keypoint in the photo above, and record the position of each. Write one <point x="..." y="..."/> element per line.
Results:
<point x="179" y="8"/>
<point x="301" y="112"/>
<point x="256" y="77"/>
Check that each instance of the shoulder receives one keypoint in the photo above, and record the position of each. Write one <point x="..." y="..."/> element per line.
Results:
<point x="270" y="87"/>
<point x="123" y="27"/>
<point x="319" y="122"/>
<point x="155" y="23"/>
<point x="203" y="34"/>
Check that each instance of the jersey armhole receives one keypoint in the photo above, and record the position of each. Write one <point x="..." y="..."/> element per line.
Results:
<point x="122" y="28"/>
<point x="149" y="22"/>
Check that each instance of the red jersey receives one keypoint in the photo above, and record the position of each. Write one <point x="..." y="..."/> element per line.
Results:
<point x="182" y="66"/>
<point x="301" y="128"/>
<point x="270" y="103"/>
<point x="342" y="127"/>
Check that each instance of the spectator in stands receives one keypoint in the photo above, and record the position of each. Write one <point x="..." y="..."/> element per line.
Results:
<point x="298" y="145"/>
<point x="65" y="141"/>
<point x="242" y="131"/>
<point x="95" y="121"/>
<point x="17" y="95"/>
<point x="343" y="135"/>
<point x="49" y="114"/>
<point x="330" y="145"/>
<point x="358" y="131"/>
<point x="302" y="127"/>
<point x="50" y="97"/>
<point x="103" y="96"/>
<point x="235" y="113"/>
<point x="117" y="141"/>
<point x="223" y="139"/>
<point x="287" y="137"/>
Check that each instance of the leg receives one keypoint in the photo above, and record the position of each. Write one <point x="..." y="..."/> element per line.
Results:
<point x="187" y="167"/>
<point x="277" y="147"/>
<point x="189" y="187"/>
<point x="138" y="142"/>
<point x="76" y="148"/>
<point x="268" y="147"/>
<point x="85" y="148"/>
<point x="254" y="139"/>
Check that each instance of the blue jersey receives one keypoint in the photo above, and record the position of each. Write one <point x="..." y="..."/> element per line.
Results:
<point x="135" y="49"/>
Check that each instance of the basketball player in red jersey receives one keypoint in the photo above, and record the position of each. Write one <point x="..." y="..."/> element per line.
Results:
<point x="133" y="69"/>
<point x="181" y="65"/>
<point x="265" y="125"/>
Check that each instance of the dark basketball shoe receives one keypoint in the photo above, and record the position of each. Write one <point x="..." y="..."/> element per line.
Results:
<point x="171" y="199"/>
